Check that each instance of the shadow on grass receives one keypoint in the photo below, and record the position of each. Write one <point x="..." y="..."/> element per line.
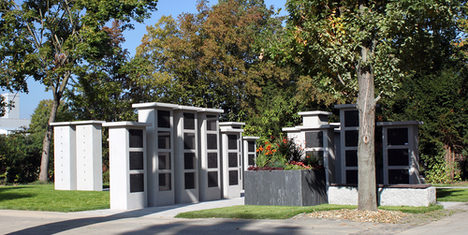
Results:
<point x="5" y="195"/>
<point x="4" y="189"/>
<point x="446" y="192"/>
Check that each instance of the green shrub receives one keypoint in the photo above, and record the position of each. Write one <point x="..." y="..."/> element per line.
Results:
<point x="439" y="171"/>
<point x="20" y="156"/>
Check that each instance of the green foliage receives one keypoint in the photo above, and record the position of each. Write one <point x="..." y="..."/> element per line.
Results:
<point x="52" y="41"/>
<point x="19" y="158"/>
<point x="439" y="171"/>
<point x="327" y="37"/>
<point x="438" y="99"/>
<point x="43" y="197"/>
<point x="277" y="108"/>
<point x="49" y="40"/>
<point x="98" y="93"/>
<point x="212" y="59"/>
<point x="20" y="153"/>
<point x="41" y="114"/>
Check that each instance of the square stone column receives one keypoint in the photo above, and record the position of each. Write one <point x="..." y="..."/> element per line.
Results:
<point x="231" y="143"/>
<point x="250" y="151"/>
<point x="127" y="165"/>
<point x="64" y="156"/>
<point x="89" y="155"/>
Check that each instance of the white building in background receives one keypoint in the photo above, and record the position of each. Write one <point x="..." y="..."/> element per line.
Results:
<point x="11" y="121"/>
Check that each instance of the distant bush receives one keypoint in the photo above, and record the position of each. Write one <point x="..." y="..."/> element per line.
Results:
<point x="439" y="171"/>
<point x="20" y="156"/>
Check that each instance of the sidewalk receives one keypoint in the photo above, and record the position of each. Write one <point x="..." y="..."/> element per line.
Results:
<point x="159" y="220"/>
<point x="455" y="224"/>
<point x="167" y="211"/>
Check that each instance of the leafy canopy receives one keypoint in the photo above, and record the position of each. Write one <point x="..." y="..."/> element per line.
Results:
<point x="327" y="36"/>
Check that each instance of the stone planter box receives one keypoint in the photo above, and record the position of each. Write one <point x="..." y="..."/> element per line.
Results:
<point x="285" y="187"/>
<point x="387" y="195"/>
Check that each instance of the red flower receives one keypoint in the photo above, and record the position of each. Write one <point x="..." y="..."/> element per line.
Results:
<point x="285" y="141"/>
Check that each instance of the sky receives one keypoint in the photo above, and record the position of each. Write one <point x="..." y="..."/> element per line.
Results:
<point x="28" y="102"/>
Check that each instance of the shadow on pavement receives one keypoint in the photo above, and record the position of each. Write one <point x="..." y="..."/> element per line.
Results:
<point x="223" y="227"/>
<point x="178" y="227"/>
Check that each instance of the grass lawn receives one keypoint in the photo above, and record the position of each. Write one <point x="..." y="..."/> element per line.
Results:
<point x="452" y="195"/>
<point x="457" y="184"/>
<point x="43" y="197"/>
<point x="283" y="212"/>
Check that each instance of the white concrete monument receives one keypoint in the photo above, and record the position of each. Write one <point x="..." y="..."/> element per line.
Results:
<point x="250" y="151"/>
<point x="127" y="165"/>
<point x="88" y="155"/>
<point x="64" y="156"/>
<point x="177" y="155"/>
<point x="231" y="133"/>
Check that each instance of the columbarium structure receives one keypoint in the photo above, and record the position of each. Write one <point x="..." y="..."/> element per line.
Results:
<point x="250" y="151"/>
<point x="396" y="149"/>
<point x="173" y="154"/>
<point x="127" y="165"/>
<point x="183" y="153"/>
<point x="334" y="145"/>
<point x="78" y="155"/>
<point x="233" y="171"/>
<point x="317" y="140"/>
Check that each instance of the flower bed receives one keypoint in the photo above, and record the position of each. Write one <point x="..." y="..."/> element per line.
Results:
<point x="283" y="177"/>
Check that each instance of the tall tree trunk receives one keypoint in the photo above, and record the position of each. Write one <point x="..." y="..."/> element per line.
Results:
<point x="367" y="199"/>
<point x="43" y="174"/>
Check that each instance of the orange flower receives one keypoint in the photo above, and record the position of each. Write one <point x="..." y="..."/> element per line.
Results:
<point x="261" y="148"/>
<point x="274" y="150"/>
<point x="268" y="147"/>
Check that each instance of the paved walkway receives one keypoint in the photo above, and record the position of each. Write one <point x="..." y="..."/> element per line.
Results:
<point x="160" y="221"/>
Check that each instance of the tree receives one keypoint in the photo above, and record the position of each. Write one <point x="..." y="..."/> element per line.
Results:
<point x="210" y="59"/>
<point x="98" y="92"/>
<point x="362" y="48"/>
<point x="20" y="152"/>
<point x="50" y="41"/>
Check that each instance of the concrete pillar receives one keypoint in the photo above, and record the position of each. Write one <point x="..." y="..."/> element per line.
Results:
<point x="64" y="156"/>
<point x="231" y="137"/>
<point x="250" y="151"/>
<point x="176" y="152"/>
<point x="210" y="161"/>
<point x="186" y="157"/>
<point x="316" y="138"/>
<point x="160" y="152"/>
<point x="127" y="165"/>
<point x="89" y="155"/>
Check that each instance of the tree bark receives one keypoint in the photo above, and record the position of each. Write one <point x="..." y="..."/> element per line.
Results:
<point x="367" y="199"/>
<point x="44" y="172"/>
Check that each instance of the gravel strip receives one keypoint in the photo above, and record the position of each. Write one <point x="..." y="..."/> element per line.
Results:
<point x="380" y="216"/>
